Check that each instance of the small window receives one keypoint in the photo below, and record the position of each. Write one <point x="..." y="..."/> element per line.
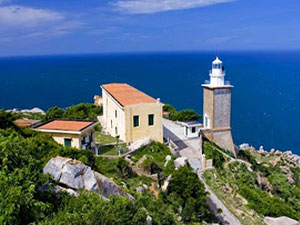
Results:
<point x="116" y="113"/>
<point x="91" y="137"/>
<point x="151" y="120"/>
<point x="116" y="130"/>
<point x="68" y="142"/>
<point x="193" y="129"/>
<point x="111" y="124"/>
<point x="83" y="140"/>
<point x="186" y="131"/>
<point x="136" y="121"/>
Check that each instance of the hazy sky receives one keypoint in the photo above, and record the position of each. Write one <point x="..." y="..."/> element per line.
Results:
<point x="37" y="27"/>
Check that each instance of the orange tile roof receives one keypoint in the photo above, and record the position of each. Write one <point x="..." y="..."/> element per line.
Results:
<point x="68" y="125"/>
<point x="25" y="122"/>
<point x="127" y="95"/>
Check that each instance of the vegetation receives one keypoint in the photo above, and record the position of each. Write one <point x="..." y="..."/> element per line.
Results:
<point x="82" y="111"/>
<point x="103" y="139"/>
<point x="183" y="115"/>
<point x="186" y="190"/>
<point x="157" y="154"/>
<point x="264" y="186"/>
<point x="24" y="153"/>
<point x="212" y="151"/>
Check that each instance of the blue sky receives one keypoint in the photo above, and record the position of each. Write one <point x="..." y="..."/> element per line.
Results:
<point x="38" y="27"/>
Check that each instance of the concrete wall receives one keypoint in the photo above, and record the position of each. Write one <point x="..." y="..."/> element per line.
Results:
<point x="154" y="132"/>
<point x="110" y="105"/>
<point x="190" y="133"/>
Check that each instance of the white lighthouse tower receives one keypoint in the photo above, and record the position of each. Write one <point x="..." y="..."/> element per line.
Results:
<point x="217" y="73"/>
<point x="217" y="107"/>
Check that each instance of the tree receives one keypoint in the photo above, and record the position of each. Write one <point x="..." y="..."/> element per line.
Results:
<point x="20" y="178"/>
<point x="54" y="113"/>
<point x="187" y="186"/>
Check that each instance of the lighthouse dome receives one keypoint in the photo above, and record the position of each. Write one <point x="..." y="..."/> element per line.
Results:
<point x="217" y="61"/>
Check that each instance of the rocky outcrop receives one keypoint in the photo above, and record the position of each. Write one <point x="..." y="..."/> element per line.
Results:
<point x="34" y="110"/>
<point x="74" y="175"/>
<point x="181" y="161"/>
<point x="138" y="144"/>
<point x="280" y="221"/>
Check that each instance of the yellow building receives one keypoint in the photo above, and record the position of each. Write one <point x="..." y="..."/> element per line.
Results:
<point x="70" y="133"/>
<point x="130" y="113"/>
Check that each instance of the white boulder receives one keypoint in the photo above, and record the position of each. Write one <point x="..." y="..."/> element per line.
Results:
<point x="74" y="175"/>
<point x="280" y="221"/>
<point x="181" y="161"/>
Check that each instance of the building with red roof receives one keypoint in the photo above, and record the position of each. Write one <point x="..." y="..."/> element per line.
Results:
<point x="130" y="113"/>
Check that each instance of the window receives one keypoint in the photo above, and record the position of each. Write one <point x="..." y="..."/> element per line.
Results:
<point x="68" y="142"/>
<point x="206" y="122"/>
<point x="91" y="137"/>
<point x="136" y="121"/>
<point x="186" y="131"/>
<point x="151" y="119"/>
<point x="193" y="129"/>
<point x="83" y="140"/>
<point x="116" y="113"/>
<point x="116" y="130"/>
<point x="111" y="124"/>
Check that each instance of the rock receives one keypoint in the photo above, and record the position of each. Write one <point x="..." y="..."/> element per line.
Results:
<point x="278" y="152"/>
<point x="168" y="158"/>
<point x="290" y="179"/>
<point x="263" y="183"/>
<point x="89" y="180"/>
<point x="141" y="160"/>
<point x="261" y="150"/>
<point x="124" y="185"/>
<point x="244" y="146"/>
<point x="75" y="175"/>
<point x="54" y="166"/>
<point x="154" y="176"/>
<point x="139" y="143"/>
<point x="71" y="175"/>
<point x="107" y="187"/>
<point x="140" y="190"/>
<point x="166" y="183"/>
<point x="272" y="151"/>
<point x="70" y="191"/>
<point x="149" y="220"/>
<point x="181" y="161"/>
<point x="280" y="221"/>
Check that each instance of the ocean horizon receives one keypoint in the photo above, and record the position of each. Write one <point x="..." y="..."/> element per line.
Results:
<point x="265" y="97"/>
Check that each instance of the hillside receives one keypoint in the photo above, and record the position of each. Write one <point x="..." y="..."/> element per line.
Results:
<point x="256" y="185"/>
<point x="24" y="153"/>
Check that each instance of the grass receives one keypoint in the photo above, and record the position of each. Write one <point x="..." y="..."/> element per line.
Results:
<point x="102" y="139"/>
<point x="158" y="153"/>
<point x="112" y="149"/>
<point x="264" y="158"/>
<point x="235" y="203"/>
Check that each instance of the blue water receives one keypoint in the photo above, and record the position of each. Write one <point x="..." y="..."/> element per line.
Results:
<point x="265" y="99"/>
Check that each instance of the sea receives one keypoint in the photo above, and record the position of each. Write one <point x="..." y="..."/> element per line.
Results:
<point x="265" y="97"/>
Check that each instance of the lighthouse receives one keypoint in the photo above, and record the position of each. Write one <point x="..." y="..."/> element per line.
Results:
<point x="217" y="107"/>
